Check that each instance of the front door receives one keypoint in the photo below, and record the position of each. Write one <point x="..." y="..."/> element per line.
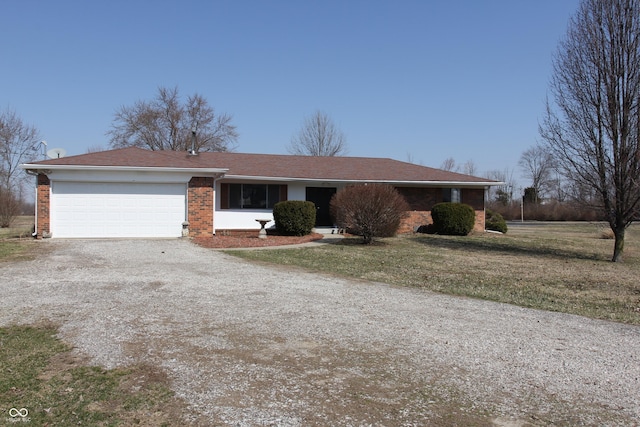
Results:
<point x="321" y="196"/>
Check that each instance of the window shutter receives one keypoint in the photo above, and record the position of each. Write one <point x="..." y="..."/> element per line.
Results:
<point x="283" y="193"/>
<point x="224" y="196"/>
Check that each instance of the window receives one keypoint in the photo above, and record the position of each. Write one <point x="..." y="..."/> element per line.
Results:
<point x="451" y="195"/>
<point x="252" y="196"/>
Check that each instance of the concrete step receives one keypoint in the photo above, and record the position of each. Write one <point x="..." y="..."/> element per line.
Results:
<point x="328" y="230"/>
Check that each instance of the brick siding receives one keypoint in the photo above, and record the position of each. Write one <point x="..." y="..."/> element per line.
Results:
<point x="43" y="218"/>
<point x="200" y="210"/>
<point x="421" y="200"/>
<point x="200" y="207"/>
<point x="475" y="199"/>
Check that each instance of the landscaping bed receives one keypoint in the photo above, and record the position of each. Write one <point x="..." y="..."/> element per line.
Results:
<point x="245" y="240"/>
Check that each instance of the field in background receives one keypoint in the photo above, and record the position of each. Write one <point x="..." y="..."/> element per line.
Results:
<point x="22" y="227"/>
<point x="16" y="242"/>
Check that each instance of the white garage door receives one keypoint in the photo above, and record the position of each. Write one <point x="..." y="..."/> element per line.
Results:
<point x="82" y="209"/>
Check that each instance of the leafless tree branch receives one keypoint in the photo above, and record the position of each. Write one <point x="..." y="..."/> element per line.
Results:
<point x="592" y="127"/>
<point x="318" y="136"/>
<point x="165" y="123"/>
<point x="538" y="166"/>
<point x="19" y="144"/>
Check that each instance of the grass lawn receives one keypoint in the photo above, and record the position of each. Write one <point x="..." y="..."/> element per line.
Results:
<point x="15" y="240"/>
<point x="42" y="383"/>
<point x="552" y="266"/>
<point x="21" y="227"/>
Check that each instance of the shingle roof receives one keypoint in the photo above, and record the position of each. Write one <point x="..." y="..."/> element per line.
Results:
<point x="131" y="157"/>
<point x="272" y="166"/>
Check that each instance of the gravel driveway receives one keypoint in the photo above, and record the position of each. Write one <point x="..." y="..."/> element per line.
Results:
<point x="249" y="345"/>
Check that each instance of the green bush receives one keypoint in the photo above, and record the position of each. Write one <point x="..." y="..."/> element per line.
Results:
<point x="456" y="219"/>
<point x="294" y="217"/>
<point x="494" y="221"/>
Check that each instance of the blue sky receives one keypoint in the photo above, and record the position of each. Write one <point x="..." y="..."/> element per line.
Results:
<point x="410" y="80"/>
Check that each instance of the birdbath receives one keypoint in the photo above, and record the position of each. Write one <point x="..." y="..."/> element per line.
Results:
<point x="262" y="234"/>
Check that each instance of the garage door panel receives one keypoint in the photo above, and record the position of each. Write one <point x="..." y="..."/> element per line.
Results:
<point x="117" y="209"/>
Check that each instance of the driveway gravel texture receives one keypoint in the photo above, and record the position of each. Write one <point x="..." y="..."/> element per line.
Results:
<point x="254" y="345"/>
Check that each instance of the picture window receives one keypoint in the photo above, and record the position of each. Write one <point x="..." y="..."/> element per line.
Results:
<point x="253" y="196"/>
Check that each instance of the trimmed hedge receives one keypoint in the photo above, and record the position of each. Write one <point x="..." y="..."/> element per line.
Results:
<point x="294" y="217"/>
<point x="494" y="221"/>
<point x="456" y="219"/>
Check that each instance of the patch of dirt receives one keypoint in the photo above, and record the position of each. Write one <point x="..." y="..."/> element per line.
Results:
<point x="244" y="241"/>
<point x="61" y="363"/>
<point x="275" y="378"/>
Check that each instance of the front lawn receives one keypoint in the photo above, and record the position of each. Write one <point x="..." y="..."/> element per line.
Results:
<point x="553" y="266"/>
<point x="43" y="383"/>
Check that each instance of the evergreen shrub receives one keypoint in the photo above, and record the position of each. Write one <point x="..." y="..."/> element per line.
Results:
<point x="294" y="217"/>
<point x="455" y="219"/>
<point x="494" y="221"/>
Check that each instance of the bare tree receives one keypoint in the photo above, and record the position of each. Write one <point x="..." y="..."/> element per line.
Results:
<point x="9" y="207"/>
<point x="559" y="187"/>
<point x="19" y="143"/>
<point x="469" y="168"/>
<point x="538" y="165"/>
<point x="593" y="127"/>
<point x="165" y="123"/>
<point x="318" y="136"/>
<point x="503" y="193"/>
<point x="449" y="164"/>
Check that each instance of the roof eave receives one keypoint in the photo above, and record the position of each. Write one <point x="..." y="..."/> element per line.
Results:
<point x="40" y="167"/>
<point x="361" y="181"/>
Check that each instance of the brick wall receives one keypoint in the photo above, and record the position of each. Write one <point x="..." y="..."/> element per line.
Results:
<point x="414" y="220"/>
<point x="200" y="207"/>
<point x="421" y="200"/>
<point x="43" y="218"/>
<point x="475" y="198"/>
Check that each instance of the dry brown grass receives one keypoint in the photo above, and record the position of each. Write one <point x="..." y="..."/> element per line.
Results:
<point x="16" y="242"/>
<point x="552" y="266"/>
<point x="21" y="227"/>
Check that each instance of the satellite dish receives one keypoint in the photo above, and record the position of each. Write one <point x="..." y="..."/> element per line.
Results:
<point x="56" y="153"/>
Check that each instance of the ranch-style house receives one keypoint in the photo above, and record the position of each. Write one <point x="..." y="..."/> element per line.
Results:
<point x="133" y="192"/>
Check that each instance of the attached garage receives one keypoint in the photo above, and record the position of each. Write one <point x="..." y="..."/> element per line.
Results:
<point x="125" y="193"/>
<point x="108" y="209"/>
